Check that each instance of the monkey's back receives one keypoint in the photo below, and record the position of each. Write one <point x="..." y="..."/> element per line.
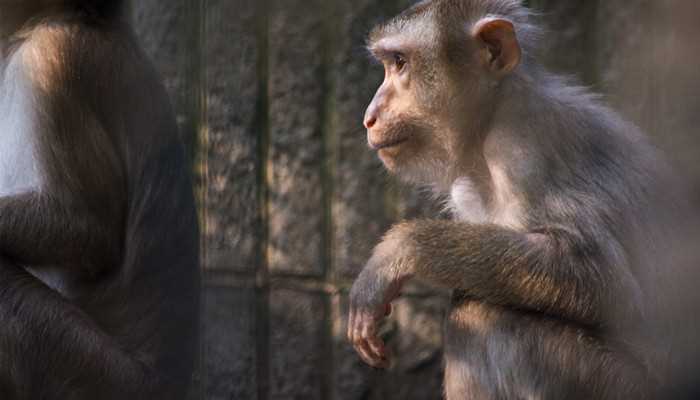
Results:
<point x="160" y="267"/>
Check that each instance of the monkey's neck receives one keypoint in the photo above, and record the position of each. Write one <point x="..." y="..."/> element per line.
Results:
<point x="467" y="159"/>
<point x="503" y="138"/>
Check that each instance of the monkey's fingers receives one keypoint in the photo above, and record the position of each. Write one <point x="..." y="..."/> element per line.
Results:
<point x="374" y="342"/>
<point x="363" y="334"/>
<point x="379" y="351"/>
<point x="376" y="345"/>
<point x="365" y="353"/>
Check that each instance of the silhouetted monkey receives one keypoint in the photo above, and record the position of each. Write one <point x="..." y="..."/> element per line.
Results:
<point x="99" y="273"/>
<point x="559" y="251"/>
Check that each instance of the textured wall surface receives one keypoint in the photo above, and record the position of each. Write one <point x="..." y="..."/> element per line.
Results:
<point x="270" y="97"/>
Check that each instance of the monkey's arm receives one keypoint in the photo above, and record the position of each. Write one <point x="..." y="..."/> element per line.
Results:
<point x="50" y="349"/>
<point x="555" y="271"/>
<point x="40" y="229"/>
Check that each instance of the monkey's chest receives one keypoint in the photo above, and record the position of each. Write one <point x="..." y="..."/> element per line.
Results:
<point x="19" y="163"/>
<point x="468" y="205"/>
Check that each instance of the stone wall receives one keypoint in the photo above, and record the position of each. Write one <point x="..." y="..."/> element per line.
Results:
<point x="270" y="96"/>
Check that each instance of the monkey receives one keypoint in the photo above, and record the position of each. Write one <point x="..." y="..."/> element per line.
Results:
<point x="557" y="252"/>
<point x="99" y="248"/>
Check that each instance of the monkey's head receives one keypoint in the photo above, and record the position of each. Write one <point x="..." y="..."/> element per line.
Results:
<point x="444" y="62"/>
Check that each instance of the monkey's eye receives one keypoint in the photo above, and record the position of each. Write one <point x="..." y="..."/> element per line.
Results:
<point x="400" y="62"/>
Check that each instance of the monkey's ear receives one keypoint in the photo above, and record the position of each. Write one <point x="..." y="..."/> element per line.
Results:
<point x="500" y="50"/>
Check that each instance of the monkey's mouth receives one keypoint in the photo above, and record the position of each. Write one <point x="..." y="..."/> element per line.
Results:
<point x="387" y="143"/>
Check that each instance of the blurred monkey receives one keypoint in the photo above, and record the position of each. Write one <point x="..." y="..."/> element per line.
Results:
<point x="98" y="231"/>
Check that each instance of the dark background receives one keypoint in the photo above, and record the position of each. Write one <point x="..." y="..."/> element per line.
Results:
<point x="270" y="97"/>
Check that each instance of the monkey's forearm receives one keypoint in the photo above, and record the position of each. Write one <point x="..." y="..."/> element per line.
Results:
<point x="552" y="272"/>
<point x="36" y="230"/>
<point x="50" y="349"/>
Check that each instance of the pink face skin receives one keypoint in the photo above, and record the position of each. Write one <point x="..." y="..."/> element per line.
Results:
<point x="392" y="104"/>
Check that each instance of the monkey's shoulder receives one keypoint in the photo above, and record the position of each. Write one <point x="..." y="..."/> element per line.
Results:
<point x="68" y="63"/>
<point x="63" y="51"/>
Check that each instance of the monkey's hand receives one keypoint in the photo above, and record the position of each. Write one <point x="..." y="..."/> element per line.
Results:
<point x="376" y="287"/>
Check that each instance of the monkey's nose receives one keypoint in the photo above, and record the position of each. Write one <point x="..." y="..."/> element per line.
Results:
<point x="370" y="121"/>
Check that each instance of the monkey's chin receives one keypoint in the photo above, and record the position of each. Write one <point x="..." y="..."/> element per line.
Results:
<point x="407" y="167"/>
<point x="390" y="158"/>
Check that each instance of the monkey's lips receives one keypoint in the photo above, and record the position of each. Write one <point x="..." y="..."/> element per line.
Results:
<point x="385" y="144"/>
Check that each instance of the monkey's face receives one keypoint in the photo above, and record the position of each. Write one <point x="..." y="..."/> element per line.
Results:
<point x="427" y="115"/>
<point x="405" y="120"/>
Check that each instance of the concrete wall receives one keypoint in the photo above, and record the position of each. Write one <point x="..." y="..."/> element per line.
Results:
<point x="270" y="95"/>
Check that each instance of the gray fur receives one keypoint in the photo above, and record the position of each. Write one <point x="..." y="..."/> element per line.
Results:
<point x="569" y="296"/>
